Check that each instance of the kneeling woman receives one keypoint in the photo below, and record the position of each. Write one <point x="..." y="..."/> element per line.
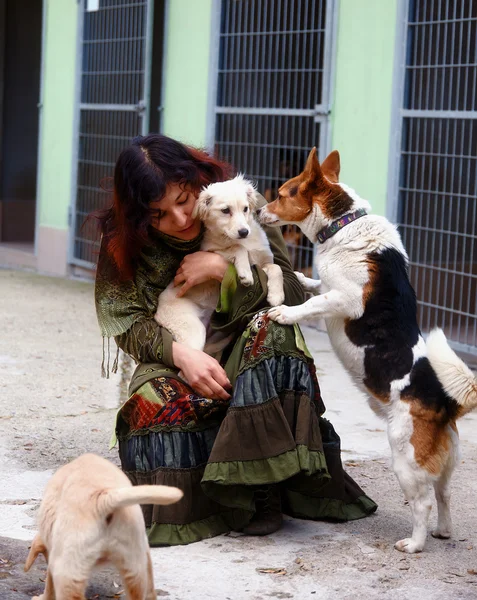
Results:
<point x="244" y="438"/>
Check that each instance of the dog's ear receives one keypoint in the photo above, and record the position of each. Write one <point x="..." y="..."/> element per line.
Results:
<point x="312" y="171"/>
<point x="202" y="205"/>
<point x="331" y="166"/>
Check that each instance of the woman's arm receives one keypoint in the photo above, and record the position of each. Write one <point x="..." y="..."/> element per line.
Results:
<point x="147" y="342"/>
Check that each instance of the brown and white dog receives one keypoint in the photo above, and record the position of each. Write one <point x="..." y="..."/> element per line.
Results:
<point x="89" y="516"/>
<point x="420" y="387"/>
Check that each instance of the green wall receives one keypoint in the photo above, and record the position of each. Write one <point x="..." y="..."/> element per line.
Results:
<point x="187" y="70"/>
<point x="361" y="115"/>
<point x="56" y="146"/>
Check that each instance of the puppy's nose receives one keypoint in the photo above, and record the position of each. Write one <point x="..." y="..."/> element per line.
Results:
<point x="243" y="233"/>
<point x="258" y="211"/>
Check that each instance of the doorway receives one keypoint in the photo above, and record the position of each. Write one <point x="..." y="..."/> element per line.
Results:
<point x="20" y="68"/>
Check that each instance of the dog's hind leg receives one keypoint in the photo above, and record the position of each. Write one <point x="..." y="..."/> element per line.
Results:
<point x="415" y="483"/>
<point x="49" y="593"/>
<point x="442" y="492"/>
<point x="69" y="588"/>
<point x="276" y="293"/>
<point x="138" y="584"/>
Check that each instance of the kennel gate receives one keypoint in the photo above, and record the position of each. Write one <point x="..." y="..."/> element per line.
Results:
<point x="115" y="41"/>
<point x="272" y="92"/>
<point x="434" y="190"/>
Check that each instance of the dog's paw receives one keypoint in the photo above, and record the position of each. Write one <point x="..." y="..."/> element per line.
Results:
<point x="276" y="298"/>
<point x="408" y="545"/>
<point x="444" y="534"/>
<point x="308" y="284"/>
<point x="246" y="280"/>
<point x="285" y="315"/>
<point x="301" y="278"/>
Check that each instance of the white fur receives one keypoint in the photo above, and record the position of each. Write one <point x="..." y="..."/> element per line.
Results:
<point x="187" y="317"/>
<point x="455" y="376"/>
<point x="341" y="263"/>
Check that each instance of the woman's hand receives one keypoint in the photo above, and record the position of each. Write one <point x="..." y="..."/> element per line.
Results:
<point x="199" y="267"/>
<point x="203" y="373"/>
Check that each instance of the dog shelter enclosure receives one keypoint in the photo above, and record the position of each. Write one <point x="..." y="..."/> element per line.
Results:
<point x="433" y="183"/>
<point x="271" y="77"/>
<point x="120" y="45"/>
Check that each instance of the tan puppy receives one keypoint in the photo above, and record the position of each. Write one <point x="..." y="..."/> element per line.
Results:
<point x="89" y="516"/>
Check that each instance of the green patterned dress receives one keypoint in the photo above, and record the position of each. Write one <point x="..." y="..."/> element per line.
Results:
<point x="272" y="431"/>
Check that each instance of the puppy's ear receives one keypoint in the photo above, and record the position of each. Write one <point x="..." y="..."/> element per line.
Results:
<point x="202" y="205"/>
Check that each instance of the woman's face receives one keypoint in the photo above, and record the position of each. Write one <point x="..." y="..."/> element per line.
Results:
<point x="175" y="213"/>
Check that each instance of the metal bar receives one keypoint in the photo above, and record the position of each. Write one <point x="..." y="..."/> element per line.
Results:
<point x="76" y="126"/>
<point x="113" y="107"/>
<point x="294" y="112"/>
<point x="149" y="16"/>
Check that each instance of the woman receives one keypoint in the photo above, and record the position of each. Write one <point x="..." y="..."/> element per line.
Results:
<point x="244" y="439"/>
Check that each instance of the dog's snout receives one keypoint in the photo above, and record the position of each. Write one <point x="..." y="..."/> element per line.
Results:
<point x="258" y="211"/>
<point x="243" y="233"/>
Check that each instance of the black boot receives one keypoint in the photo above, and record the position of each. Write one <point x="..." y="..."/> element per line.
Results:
<point x="268" y="516"/>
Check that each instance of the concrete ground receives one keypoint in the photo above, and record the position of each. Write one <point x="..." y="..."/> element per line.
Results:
<point x="54" y="406"/>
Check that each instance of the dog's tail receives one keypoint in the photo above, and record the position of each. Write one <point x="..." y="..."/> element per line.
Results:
<point x="110" y="500"/>
<point x="454" y="375"/>
<point x="37" y="547"/>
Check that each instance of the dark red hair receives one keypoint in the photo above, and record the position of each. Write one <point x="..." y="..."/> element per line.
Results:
<point x="142" y="172"/>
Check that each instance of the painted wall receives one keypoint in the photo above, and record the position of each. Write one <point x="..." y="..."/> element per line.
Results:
<point x="187" y="70"/>
<point x="361" y="114"/>
<point x="58" y="113"/>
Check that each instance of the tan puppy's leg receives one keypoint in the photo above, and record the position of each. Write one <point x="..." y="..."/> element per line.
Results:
<point x="49" y="593"/>
<point x="151" y="591"/>
<point x="136" y="584"/>
<point x="69" y="588"/>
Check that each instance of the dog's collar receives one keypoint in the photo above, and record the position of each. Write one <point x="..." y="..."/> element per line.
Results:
<point x="330" y="230"/>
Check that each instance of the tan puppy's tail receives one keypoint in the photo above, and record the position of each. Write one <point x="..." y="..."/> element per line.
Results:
<point x="139" y="494"/>
<point x="37" y="547"/>
<point x="455" y="376"/>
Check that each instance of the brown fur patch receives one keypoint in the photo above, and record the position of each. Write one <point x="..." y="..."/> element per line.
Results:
<point x="430" y="437"/>
<point x="382" y="397"/>
<point x="297" y="196"/>
<point x="370" y="286"/>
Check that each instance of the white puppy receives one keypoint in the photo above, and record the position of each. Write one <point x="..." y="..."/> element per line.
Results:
<point x="226" y="209"/>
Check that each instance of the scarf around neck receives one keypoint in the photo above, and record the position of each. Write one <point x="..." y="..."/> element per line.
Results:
<point x="120" y="303"/>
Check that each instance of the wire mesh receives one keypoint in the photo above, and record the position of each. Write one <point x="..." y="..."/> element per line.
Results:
<point x="271" y="75"/>
<point x="113" y="63"/>
<point x="437" y="183"/>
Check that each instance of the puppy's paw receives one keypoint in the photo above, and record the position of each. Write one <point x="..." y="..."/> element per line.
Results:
<point x="275" y="298"/>
<point x="246" y="279"/>
<point x="409" y="546"/>
<point x="443" y="534"/>
<point x="285" y="315"/>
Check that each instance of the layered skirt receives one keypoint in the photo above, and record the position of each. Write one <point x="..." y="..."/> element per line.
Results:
<point x="270" y="432"/>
